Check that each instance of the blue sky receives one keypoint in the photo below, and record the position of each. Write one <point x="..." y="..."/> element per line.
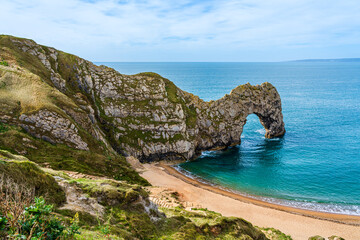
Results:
<point x="181" y="30"/>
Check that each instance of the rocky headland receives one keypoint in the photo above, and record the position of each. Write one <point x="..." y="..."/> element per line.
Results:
<point x="68" y="100"/>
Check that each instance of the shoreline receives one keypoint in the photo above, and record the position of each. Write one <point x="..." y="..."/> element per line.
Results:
<point x="352" y="220"/>
<point x="188" y="176"/>
<point x="300" y="224"/>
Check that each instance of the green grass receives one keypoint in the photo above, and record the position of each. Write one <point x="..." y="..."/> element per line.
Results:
<point x="62" y="157"/>
<point x="85" y="219"/>
<point x="66" y="66"/>
<point x="25" y="60"/>
<point x="273" y="233"/>
<point x="31" y="92"/>
<point x="203" y="223"/>
<point x="149" y="74"/>
<point x="3" y="127"/>
<point x="171" y="90"/>
<point x="191" y="118"/>
<point x="111" y="192"/>
<point x="87" y="234"/>
<point x="25" y="172"/>
<point x="127" y="218"/>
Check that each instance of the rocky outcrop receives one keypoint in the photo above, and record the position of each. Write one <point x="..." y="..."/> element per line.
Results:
<point x="143" y="115"/>
<point x="53" y="128"/>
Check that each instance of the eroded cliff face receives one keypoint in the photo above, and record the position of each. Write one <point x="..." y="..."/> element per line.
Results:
<point x="62" y="98"/>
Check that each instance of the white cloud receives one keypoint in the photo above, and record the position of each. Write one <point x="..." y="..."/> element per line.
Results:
<point x="161" y="30"/>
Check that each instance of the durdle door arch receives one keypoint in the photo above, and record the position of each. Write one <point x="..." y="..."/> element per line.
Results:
<point x="262" y="100"/>
<point x="219" y="124"/>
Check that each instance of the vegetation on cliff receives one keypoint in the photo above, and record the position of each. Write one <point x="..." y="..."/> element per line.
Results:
<point x="60" y="156"/>
<point x="35" y="221"/>
<point x="124" y="212"/>
<point x="20" y="170"/>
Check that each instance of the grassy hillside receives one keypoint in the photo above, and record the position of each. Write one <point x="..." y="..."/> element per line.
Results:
<point x="124" y="211"/>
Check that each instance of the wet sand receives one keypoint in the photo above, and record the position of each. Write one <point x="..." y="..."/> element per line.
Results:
<point x="299" y="223"/>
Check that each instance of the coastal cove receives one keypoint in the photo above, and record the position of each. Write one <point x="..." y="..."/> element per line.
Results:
<point x="337" y="218"/>
<point x="298" y="223"/>
<point x="316" y="165"/>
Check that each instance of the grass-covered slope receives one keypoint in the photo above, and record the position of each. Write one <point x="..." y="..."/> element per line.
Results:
<point x="124" y="210"/>
<point x="130" y="215"/>
<point x="22" y="171"/>
<point x="60" y="156"/>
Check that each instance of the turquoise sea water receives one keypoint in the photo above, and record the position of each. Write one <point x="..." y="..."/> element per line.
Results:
<point x="316" y="165"/>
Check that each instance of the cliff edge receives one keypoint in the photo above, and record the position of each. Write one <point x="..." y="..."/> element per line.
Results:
<point x="63" y="99"/>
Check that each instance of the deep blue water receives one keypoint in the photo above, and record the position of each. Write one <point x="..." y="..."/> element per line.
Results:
<point x="316" y="165"/>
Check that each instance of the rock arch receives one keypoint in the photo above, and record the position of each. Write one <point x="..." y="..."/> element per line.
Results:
<point x="221" y="122"/>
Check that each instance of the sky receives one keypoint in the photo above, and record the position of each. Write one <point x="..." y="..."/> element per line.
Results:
<point x="189" y="31"/>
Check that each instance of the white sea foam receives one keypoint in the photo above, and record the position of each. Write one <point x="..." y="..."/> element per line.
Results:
<point x="261" y="131"/>
<point x="207" y="153"/>
<point x="306" y="205"/>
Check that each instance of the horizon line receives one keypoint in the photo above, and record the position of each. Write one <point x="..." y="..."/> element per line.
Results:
<point x="296" y="60"/>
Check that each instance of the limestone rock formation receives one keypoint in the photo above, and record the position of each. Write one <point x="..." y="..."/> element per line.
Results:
<point x="143" y="115"/>
<point x="49" y="123"/>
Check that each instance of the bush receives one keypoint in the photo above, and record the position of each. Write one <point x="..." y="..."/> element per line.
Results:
<point x="20" y="170"/>
<point x="4" y="63"/>
<point x="3" y="127"/>
<point x="13" y="200"/>
<point x="37" y="222"/>
<point x="23" y="217"/>
<point x="3" y="222"/>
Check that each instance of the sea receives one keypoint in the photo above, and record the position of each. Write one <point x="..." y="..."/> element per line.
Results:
<point x="316" y="165"/>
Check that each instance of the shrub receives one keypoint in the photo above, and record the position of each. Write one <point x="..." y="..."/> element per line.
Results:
<point x="3" y="128"/>
<point x="13" y="200"/>
<point x="3" y="222"/>
<point x="38" y="222"/>
<point x="20" y="170"/>
<point x="4" y="63"/>
<point x="23" y="217"/>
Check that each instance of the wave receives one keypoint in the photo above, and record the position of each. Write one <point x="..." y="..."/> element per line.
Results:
<point x="337" y="208"/>
<point x="261" y="131"/>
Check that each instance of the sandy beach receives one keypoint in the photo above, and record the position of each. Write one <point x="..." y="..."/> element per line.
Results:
<point x="300" y="224"/>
